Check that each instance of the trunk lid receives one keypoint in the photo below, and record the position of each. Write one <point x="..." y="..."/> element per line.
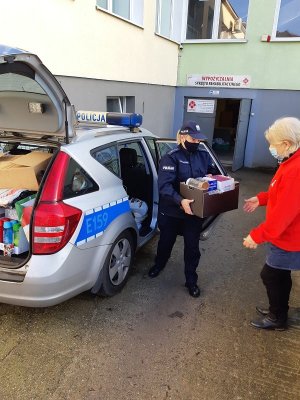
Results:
<point x="32" y="101"/>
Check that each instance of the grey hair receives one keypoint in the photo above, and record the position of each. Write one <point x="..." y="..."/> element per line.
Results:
<point x="287" y="128"/>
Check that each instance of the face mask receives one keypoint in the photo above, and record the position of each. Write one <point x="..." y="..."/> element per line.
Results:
<point x="274" y="153"/>
<point x="191" y="147"/>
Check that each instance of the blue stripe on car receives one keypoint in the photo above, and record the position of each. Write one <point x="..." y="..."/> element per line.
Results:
<point x="97" y="220"/>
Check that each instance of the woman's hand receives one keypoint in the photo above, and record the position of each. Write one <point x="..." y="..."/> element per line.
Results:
<point x="249" y="243"/>
<point x="185" y="204"/>
<point x="251" y="204"/>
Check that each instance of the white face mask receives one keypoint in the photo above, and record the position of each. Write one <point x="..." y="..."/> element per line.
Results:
<point x="274" y="153"/>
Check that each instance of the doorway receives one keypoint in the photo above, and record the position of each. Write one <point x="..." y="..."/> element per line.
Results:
<point x="225" y="129"/>
<point x="225" y="124"/>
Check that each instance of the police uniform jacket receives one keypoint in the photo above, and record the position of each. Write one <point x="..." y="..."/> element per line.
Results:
<point x="177" y="166"/>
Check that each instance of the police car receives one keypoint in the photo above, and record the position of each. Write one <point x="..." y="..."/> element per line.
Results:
<point x="90" y="204"/>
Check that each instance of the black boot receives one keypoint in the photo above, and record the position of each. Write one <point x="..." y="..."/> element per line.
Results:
<point x="270" y="322"/>
<point x="262" y="311"/>
<point x="194" y="290"/>
<point x="154" y="271"/>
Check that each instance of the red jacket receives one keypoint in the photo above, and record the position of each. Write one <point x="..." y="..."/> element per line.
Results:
<point x="282" y="224"/>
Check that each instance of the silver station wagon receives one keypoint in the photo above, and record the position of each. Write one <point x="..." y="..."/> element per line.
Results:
<point x="78" y="191"/>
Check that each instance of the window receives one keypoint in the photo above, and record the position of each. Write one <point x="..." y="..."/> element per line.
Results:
<point x="152" y="147"/>
<point x="77" y="181"/>
<point x="288" y="21"/>
<point x="216" y="19"/>
<point x="120" y="104"/>
<point x="140" y="158"/>
<point x="108" y="157"/>
<point x="131" y="10"/>
<point x="168" y="19"/>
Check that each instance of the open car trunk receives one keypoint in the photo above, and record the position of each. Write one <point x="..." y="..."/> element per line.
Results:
<point x="35" y="117"/>
<point x="23" y="165"/>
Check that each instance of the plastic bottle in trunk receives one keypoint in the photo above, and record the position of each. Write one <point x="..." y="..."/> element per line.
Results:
<point x="2" y="220"/>
<point x="16" y="234"/>
<point x="7" y="232"/>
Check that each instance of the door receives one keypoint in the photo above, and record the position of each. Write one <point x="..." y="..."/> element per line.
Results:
<point x="241" y="136"/>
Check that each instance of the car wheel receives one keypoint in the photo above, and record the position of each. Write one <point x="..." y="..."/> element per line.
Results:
<point x="117" y="265"/>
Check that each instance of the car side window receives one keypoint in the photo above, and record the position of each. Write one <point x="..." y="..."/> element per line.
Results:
<point x="78" y="182"/>
<point x="213" y="165"/>
<point x="152" y="148"/>
<point x="138" y="160"/>
<point x="164" y="147"/>
<point x="108" y="157"/>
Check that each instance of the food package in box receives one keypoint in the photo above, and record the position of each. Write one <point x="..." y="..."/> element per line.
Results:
<point x="224" y="183"/>
<point x="211" y="181"/>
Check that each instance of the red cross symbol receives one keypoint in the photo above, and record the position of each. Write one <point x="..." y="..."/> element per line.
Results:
<point x="192" y="104"/>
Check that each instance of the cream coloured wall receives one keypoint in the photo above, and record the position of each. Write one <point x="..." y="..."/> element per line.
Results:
<point x="72" y="38"/>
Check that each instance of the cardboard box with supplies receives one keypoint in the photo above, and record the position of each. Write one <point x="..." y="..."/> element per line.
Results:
<point x="22" y="171"/>
<point x="210" y="203"/>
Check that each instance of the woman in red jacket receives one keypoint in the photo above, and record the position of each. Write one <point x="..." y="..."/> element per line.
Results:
<point x="281" y="228"/>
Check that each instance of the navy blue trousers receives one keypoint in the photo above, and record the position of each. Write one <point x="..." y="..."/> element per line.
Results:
<point x="190" y="228"/>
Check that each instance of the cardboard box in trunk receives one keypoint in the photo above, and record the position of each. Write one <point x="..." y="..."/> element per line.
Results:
<point x="206" y="204"/>
<point x="20" y="172"/>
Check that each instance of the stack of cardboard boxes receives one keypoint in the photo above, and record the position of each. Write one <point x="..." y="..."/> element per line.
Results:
<point x="20" y="176"/>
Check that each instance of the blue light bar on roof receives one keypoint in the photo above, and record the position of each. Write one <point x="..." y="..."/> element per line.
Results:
<point x="130" y="120"/>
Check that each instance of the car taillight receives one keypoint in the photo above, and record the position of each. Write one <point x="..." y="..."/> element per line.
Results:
<point x="54" y="222"/>
<point x="54" y="225"/>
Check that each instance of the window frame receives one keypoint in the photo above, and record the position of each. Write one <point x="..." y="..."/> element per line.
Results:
<point x="176" y="15"/>
<point x="136" y="12"/>
<point x="124" y="143"/>
<point x="215" y="27"/>
<point x="124" y="103"/>
<point x="274" y="38"/>
<point x="106" y="146"/>
<point x="68" y="193"/>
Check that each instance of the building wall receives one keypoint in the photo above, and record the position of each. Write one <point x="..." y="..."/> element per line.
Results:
<point x="74" y="39"/>
<point x="271" y="65"/>
<point x="95" y="54"/>
<point x="154" y="102"/>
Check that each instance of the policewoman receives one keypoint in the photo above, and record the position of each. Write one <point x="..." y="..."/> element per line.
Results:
<point x="175" y="216"/>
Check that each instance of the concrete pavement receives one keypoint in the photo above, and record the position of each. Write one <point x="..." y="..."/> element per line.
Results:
<point x="153" y="341"/>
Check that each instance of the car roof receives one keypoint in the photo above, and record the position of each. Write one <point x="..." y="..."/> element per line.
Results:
<point x="109" y="134"/>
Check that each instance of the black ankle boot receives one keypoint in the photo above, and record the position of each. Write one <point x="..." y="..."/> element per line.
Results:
<point x="154" y="271"/>
<point x="270" y="322"/>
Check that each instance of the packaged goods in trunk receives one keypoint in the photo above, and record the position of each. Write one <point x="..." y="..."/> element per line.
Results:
<point x="23" y="171"/>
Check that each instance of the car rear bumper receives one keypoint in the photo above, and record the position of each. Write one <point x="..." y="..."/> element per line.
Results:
<point x="50" y="280"/>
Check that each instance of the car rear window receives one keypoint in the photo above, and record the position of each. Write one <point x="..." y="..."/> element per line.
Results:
<point x="78" y="182"/>
<point x="108" y="157"/>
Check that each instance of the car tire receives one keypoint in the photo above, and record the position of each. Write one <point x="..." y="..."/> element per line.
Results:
<point x="117" y="265"/>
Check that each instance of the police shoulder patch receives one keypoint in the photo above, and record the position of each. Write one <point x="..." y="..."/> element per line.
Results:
<point x="168" y="168"/>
